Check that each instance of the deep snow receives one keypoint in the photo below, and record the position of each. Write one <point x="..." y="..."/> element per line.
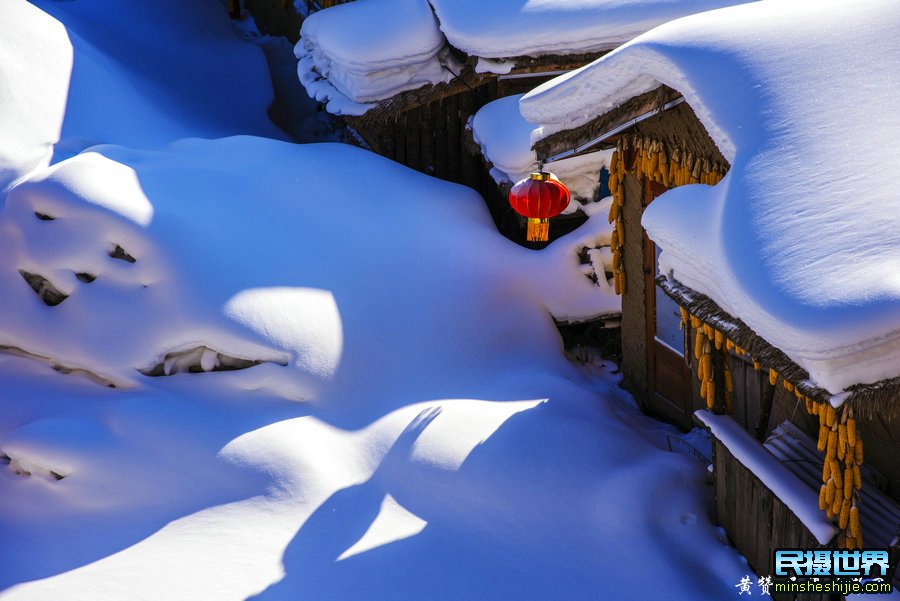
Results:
<point x="403" y="423"/>
<point x="802" y="232"/>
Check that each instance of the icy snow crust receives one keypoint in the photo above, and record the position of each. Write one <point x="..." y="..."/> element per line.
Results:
<point x="334" y="379"/>
<point x="802" y="234"/>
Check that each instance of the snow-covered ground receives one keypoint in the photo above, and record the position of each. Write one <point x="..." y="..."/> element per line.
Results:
<point x="333" y="379"/>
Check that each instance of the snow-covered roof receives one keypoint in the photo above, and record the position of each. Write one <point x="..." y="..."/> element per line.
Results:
<point x="354" y="55"/>
<point x="510" y="28"/>
<point x="801" y="240"/>
<point x="505" y="140"/>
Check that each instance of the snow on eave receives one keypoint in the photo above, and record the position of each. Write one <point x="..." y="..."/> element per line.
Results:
<point x="574" y="99"/>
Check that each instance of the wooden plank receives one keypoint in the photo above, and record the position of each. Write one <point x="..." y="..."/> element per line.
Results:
<point x="720" y="469"/>
<point x="454" y="162"/>
<point x="399" y="140"/>
<point x="427" y="137"/>
<point x="470" y="164"/>
<point x="412" y="139"/>
<point x="439" y="124"/>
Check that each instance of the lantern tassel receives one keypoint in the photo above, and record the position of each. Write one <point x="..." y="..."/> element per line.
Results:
<point x="538" y="230"/>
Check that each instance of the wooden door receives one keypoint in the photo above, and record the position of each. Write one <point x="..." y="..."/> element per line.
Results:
<point x="668" y="347"/>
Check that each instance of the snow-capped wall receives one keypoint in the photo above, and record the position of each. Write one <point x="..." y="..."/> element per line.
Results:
<point x="802" y="234"/>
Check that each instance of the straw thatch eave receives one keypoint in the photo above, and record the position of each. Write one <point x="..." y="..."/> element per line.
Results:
<point x="879" y="398"/>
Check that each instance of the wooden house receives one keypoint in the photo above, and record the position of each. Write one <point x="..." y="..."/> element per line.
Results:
<point x="490" y="51"/>
<point x="788" y="425"/>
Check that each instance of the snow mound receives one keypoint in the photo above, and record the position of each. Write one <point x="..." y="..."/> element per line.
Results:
<point x="105" y="76"/>
<point x="355" y="54"/>
<point x="311" y="373"/>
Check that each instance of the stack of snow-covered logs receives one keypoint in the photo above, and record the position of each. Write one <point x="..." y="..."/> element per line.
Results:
<point x="653" y="159"/>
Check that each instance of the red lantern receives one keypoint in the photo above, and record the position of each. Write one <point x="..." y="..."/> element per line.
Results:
<point x="539" y="197"/>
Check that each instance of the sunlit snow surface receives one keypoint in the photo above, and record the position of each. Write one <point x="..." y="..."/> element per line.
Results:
<point x="332" y="378"/>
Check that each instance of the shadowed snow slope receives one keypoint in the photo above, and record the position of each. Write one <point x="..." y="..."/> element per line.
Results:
<point x="74" y="74"/>
<point x="305" y="372"/>
<point x="802" y="234"/>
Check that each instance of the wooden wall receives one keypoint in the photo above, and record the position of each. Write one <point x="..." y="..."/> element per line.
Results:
<point x="433" y="139"/>
<point x="756" y="521"/>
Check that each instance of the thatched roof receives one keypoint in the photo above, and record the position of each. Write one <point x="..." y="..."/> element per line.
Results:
<point x="677" y="127"/>
<point x="866" y="399"/>
<point x="465" y="79"/>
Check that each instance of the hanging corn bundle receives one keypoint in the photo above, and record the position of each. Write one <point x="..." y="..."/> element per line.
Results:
<point x="651" y="161"/>
<point x="841" y="477"/>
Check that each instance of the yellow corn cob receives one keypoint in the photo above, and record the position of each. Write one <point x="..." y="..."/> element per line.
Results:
<point x="613" y="212"/>
<point x="617" y="282"/>
<point x="831" y="447"/>
<point x="614" y="161"/>
<point x="829" y="492"/>
<point x="845" y="514"/>
<point x="706" y="364"/>
<point x="826" y="471"/>
<point x="857" y="477"/>
<point x="729" y="345"/>
<point x="858" y="451"/>
<point x="620" y="229"/>
<point x="851" y="433"/>
<point x="695" y="322"/>
<point x="842" y="440"/>
<point x="788" y="386"/>
<point x="739" y="350"/>
<point x="822" y="502"/>
<point x="720" y="339"/>
<point x="855" y="528"/>
<point x="836" y="503"/>
<point x="830" y="416"/>
<point x="823" y="438"/>
<point x="710" y="394"/>
<point x="698" y="345"/>
<point x="836" y="476"/>
<point x="614" y="239"/>
<point x="822" y="415"/>
<point x="729" y="382"/>
<point x="756" y="365"/>
<point x="684" y="315"/>
<point x="773" y="376"/>
<point x="848" y="483"/>
<point x="613" y="181"/>
<point x="617" y="259"/>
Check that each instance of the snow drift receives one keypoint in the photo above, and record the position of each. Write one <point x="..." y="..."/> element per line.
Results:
<point x="240" y="368"/>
